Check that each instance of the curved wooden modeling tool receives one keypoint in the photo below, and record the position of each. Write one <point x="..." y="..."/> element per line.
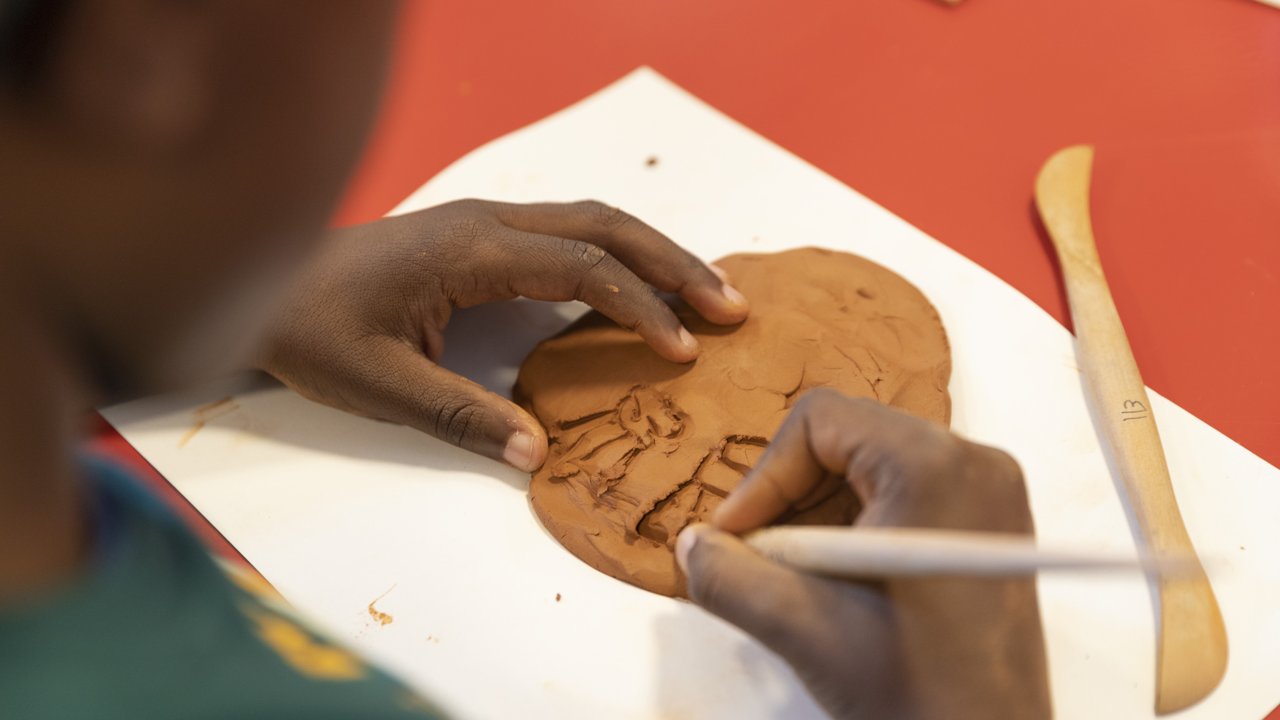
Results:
<point x="1191" y="641"/>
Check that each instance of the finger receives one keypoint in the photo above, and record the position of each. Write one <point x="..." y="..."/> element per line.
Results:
<point x="543" y="267"/>
<point x="827" y="433"/>
<point x="652" y="256"/>
<point x="403" y="386"/>
<point x="790" y="612"/>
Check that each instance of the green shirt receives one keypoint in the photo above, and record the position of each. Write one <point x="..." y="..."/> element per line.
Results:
<point x="155" y="628"/>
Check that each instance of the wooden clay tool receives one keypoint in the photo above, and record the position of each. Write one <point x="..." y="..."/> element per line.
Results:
<point x="1191" y="654"/>
<point x="915" y="552"/>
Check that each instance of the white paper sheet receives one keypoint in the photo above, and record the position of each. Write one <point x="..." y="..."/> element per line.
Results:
<point x="336" y="510"/>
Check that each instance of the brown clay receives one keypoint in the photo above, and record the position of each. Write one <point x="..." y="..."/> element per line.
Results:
<point x="640" y="447"/>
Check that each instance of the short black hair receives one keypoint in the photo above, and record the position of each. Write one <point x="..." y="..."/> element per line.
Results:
<point x="28" y="33"/>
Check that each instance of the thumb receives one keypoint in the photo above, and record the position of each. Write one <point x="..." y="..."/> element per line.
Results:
<point x="786" y="610"/>
<point x="839" y="637"/>
<point x="414" y="391"/>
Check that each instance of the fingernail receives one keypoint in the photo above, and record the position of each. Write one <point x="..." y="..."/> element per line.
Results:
<point x="519" y="451"/>
<point x="729" y="292"/>
<point x="733" y="296"/>
<point x="719" y="514"/>
<point x="684" y="543"/>
<point x="687" y="339"/>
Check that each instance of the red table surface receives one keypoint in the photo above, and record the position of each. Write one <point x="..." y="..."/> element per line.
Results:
<point x="943" y="115"/>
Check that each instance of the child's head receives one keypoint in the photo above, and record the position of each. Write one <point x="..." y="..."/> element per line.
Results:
<point x="165" y="160"/>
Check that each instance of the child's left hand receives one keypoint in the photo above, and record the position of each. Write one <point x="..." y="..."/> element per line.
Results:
<point x="364" y="326"/>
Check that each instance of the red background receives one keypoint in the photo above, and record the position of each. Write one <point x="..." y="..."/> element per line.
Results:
<point x="943" y="115"/>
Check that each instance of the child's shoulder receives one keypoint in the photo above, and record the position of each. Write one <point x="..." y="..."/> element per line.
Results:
<point x="155" y="627"/>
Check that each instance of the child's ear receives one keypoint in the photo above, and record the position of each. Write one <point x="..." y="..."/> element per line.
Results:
<point x="137" y="74"/>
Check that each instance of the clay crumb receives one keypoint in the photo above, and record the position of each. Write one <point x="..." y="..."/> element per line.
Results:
<point x="380" y="617"/>
<point x="612" y="288"/>
<point x="558" y="594"/>
<point x="433" y="639"/>
<point x="651" y="161"/>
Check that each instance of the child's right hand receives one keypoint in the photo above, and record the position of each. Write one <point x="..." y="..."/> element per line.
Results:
<point x="902" y="648"/>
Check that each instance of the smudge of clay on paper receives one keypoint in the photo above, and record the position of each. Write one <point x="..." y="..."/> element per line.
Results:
<point x="206" y="414"/>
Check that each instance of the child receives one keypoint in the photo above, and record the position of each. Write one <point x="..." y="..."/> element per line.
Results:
<point x="168" y="167"/>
